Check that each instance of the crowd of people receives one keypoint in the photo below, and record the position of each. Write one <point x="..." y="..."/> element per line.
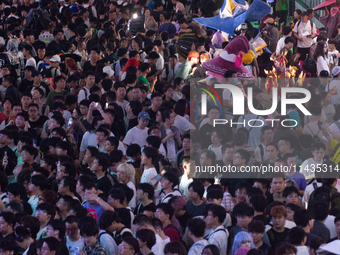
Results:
<point x="100" y="135"/>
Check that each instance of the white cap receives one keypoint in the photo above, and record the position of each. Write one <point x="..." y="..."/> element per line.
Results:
<point x="335" y="70"/>
<point x="108" y="71"/>
<point x="55" y="58"/>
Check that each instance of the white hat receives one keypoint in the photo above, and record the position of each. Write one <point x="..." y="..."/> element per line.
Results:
<point x="332" y="247"/>
<point x="335" y="70"/>
<point x="108" y="71"/>
<point x="55" y="58"/>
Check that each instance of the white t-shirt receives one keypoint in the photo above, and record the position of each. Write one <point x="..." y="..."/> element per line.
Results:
<point x="171" y="149"/>
<point x="304" y="29"/>
<point x="302" y="250"/>
<point x="219" y="237"/>
<point x="227" y="95"/>
<point x="217" y="151"/>
<point x="198" y="247"/>
<point x="148" y="175"/>
<point x="160" y="63"/>
<point x="74" y="246"/>
<point x="31" y="62"/>
<point x="280" y="45"/>
<point x="182" y="124"/>
<point x="136" y="135"/>
<point x="322" y="64"/>
<point x="334" y="89"/>
<point x="82" y="95"/>
<point x="133" y="201"/>
<point x="329" y="223"/>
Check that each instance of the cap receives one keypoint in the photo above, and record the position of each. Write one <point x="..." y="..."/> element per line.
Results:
<point x="55" y="58"/>
<point x="143" y="115"/>
<point x="335" y="70"/>
<point x="269" y="21"/>
<point x="108" y="71"/>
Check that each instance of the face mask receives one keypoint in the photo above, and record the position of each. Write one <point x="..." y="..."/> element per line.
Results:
<point x="182" y="86"/>
<point x="268" y="25"/>
<point x="235" y="81"/>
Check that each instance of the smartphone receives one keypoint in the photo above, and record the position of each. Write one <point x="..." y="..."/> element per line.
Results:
<point x="156" y="179"/>
<point x="107" y="105"/>
<point x="70" y="122"/>
<point x="95" y="104"/>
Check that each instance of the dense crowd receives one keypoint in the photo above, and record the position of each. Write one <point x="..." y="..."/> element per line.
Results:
<point x="100" y="135"/>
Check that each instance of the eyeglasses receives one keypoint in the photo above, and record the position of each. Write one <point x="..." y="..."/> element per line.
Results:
<point x="3" y="136"/>
<point x="123" y="248"/>
<point x="40" y="211"/>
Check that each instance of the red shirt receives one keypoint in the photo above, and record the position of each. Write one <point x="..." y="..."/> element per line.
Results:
<point x="3" y="117"/>
<point x="172" y="233"/>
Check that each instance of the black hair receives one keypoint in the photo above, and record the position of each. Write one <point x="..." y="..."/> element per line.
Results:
<point x="148" y="236"/>
<point x="302" y="217"/>
<point x="107" y="218"/>
<point x="197" y="227"/>
<point x="59" y="225"/>
<point x="197" y="187"/>
<point x="243" y="210"/>
<point x="217" y="211"/>
<point x="297" y="235"/>
<point x="166" y="208"/>
<point x="289" y="190"/>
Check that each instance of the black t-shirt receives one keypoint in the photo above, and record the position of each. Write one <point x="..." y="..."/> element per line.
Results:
<point x="38" y="123"/>
<point x="12" y="92"/>
<point x="140" y="208"/>
<point x="104" y="184"/>
<point x="276" y="237"/>
<point x="125" y="216"/>
<point x="9" y="238"/>
<point x="152" y="115"/>
<point x="10" y="153"/>
<point x="88" y="67"/>
<point x="24" y="85"/>
<point x="195" y="210"/>
<point x="132" y="123"/>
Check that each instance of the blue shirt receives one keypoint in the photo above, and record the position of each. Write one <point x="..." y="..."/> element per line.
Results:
<point x="99" y="210"/>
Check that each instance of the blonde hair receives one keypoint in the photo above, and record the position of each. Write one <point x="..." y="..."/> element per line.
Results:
<point x="129" y="170"/>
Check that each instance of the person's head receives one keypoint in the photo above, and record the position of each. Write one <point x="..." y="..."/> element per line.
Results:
<point x="50" y="246"/>
<point x="142" y="221"/>
<point x="72" y="228"/>
<point x="146" y="238"/>
<point x="214" y="215"/>
<point x="318" y="151"/>
<point x="196" y="227"/>
<point x="320" y="209"/>
<point x="195" y="190"/>
<point x="164" y="212"/>
<point x="278" y="184"/>
<point x="89" y="231"/>
<point x="278" y="214"/>
<point x="291" y="195"/>
<point x="244" y="214"/>
<point x="256" y="230"/>
<point x="16" y="192"/>
<point x="45" y="212"/>
<point x="7" y="223"/>
<point x="285" y="248"/>
<point x="169" y="180"/>
<point x="56" y="228"/>
<point x="213" y="112"/>
<point x="125" y="173"/>
<point x="241" y="192"/>
<point x="38" y="183"/>
<point x="108" y="221"/>
<point x="291" y="209"/>
<point x="175" y="247"/>
<point x="303" y="218"/>
<point x="143" y="119"/>
<point x="211" y="249"/>
<point x="241" y="157"/>
<point x="297" y="236"/>
<point x="207" y="158"/>
<point x="128" y="246"/>
<point x="242" y="239"/>
<point x="145" y="191"/>
<point x="65" y="203"/>
<point x="149" y="155"/>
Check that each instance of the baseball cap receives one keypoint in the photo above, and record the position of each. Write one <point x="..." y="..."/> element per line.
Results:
<point x="143" y="115"/>
<point x="108" y="71"/>
<point x="55" y="58"/>
<point x="335" y="70"/>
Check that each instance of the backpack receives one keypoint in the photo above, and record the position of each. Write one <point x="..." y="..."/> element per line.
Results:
<point x="311" y="25"/>
<point x="46" y="72"/>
